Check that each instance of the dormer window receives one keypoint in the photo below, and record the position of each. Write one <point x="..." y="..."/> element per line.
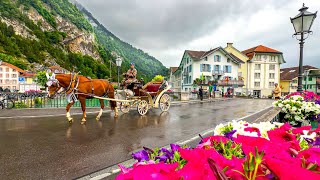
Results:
<point x="206" y="59"/>
<point x="217" y="58"/>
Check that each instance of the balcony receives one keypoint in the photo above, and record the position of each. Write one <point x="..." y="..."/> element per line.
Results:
<point x="231" y="83"/>
<point x="217" y="72"/>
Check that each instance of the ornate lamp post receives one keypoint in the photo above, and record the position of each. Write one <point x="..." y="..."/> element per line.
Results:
<point x="302" y="24"/>
<point x="118" y="62"/>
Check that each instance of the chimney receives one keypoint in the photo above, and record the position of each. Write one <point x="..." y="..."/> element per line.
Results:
<point x="229" y="44"/>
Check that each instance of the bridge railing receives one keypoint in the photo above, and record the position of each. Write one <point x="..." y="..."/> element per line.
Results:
<point x="41" y="100"/>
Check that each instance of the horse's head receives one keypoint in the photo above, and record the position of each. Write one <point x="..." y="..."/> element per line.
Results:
<point x="53" y="85"/>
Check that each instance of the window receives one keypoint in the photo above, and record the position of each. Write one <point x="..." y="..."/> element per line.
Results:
<point x="13" y="75"/>
<point x="7" y="75"/>
<point x="189" y="79"/>
<point x="271" y="84"/>
<point x="271" y="75"/>
<point x="228" y="60"/>
<point x="257" y="66"/>
<point x="305" y="78"/>
<point x="216" y="68"/>
<point x="13" y="70"/>
<point x="273" y="59"/>
<point x="206" y="59"/>
<point x="272" y="67"/>
<point x="7" y="69"/>
<point x="227" y="69"/>
<point x="190" y="68"/>
<point x="257" y="75"/>
<point x="0" y="69"/>
<point x="205" y="68"/>
<point x="256" y="84"/>
<point x="7" y="81"/>
<point x="0" y="75"/>
<point x="295" y="81"/>
<point x="1" y="81"/>
<point x="14" y="81"/>
<point x="310" y="79"/>
<point x="217" y="58"/>
<point x="258" y="57"/>
<point x="14" y="87"/>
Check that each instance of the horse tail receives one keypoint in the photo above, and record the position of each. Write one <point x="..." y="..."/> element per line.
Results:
<point x="111" y="91"/>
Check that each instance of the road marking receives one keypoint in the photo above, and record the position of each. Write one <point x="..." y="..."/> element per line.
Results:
<point x="129" y="163"/>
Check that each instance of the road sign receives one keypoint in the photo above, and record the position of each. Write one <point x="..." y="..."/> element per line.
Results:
<point x="22" y="79"/>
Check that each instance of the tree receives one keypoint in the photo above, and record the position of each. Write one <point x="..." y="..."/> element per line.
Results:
<point x="41" y="78"/>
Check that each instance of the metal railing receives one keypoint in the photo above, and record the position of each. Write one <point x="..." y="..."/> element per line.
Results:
<point x="40" y="100"/>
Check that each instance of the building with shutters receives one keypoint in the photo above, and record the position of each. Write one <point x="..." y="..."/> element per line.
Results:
<point x="212" y="66"/>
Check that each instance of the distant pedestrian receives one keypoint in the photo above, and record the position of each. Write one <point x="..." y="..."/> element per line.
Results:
<point x="277" y="91"/>
<point x="222" y="92"/>
<point x="210" y="90"/>
<point x="201" y="93"/>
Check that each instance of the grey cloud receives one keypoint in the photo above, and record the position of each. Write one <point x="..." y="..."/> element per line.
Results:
<point x="159" y="26"/>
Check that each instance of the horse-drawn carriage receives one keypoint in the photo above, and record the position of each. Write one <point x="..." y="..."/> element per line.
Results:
<point x="76" y="87"/>
<point x="151" y="95"/>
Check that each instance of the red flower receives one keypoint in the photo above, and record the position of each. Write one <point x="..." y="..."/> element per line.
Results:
<point x="280" y="135"/>
<point x="253" y="129"/>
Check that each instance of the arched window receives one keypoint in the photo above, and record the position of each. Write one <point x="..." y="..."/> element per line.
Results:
<point x="217" y="58"/>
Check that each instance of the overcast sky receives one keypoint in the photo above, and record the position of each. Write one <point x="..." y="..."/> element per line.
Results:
<point x="165" y="28"/>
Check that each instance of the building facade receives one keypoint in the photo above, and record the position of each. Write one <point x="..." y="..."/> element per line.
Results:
<point x="9" y="76"/>
<point x="262" y="70"/>
<point x="289" y="79"/>
<point x="216" y="66"/>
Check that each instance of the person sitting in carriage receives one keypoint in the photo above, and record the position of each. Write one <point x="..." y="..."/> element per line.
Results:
<point x="130" y="76"/>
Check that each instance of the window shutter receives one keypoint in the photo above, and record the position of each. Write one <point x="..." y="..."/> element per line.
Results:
<point x="200" y="67"/>
<point x="230" y="69"/>
<point x="210" y="67"/>
<point x="224" y="68"/>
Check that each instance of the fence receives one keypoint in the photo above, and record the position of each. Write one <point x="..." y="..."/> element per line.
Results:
<point x="40" y="100"/>
<point x="176" y="96"/>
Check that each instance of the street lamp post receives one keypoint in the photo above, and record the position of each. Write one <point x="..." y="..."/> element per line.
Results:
<point x="118" y="62"/>
<point x="302" y="24"/>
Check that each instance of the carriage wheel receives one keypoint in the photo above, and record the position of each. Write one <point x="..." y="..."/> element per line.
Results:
<point x="118" y="96"/>
<point x="125" y="107"/>
<point x="143" y="107"/>
<point x="164" y="102"/>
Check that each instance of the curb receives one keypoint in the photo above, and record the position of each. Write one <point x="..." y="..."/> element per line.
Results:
<point x="114" y="169"/>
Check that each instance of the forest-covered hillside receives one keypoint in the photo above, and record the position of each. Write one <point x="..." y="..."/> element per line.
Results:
<point x="35" y="34"/>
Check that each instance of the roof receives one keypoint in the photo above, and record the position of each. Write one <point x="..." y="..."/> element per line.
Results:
<point x="28" y="74"/>
<point x="11" y="66"/>
<point x="260" y="49"/>
<point x="235" y="57"/>
<point x="173" y="69"/>
<point x="195" y="54"/>
<point x="287" y="74"/>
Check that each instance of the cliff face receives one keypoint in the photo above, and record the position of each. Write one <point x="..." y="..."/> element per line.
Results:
<point x="35" y="34"/>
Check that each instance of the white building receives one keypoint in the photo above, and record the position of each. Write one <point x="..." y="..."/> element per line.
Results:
<point x="9" y="76"/>
<point x="263" y="70"/>
<point x="214" y="66"/>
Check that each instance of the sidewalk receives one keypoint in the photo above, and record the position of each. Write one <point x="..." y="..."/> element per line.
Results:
<point x="47" y="112"/>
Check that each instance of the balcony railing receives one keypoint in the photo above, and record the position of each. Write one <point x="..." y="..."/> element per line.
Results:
<point x="217" y="72"/>
<point x="230" y="83"/>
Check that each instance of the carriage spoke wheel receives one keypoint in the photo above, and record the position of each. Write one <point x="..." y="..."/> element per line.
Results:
<point x="125" y="107"/>
<point x="143" y="107"/>
<point x="164" y="102"/>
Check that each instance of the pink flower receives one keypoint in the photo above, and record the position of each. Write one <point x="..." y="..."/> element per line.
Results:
<point x="280" y="135"/>
<point x="253" y="129"/>
<point x="158" y="171"/>
<point x="289" y="171"/>
<point x="311" y="155"/>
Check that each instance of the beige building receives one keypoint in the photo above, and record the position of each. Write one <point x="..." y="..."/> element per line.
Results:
<point x="9" y="76"/>
<point x="263" y="68"/>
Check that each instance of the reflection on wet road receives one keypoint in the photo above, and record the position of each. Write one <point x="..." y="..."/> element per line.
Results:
<point x="48" y="148"/>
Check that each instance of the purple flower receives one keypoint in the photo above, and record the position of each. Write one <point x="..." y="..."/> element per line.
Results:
<point x="166" y="152"/>
<point x="230" y="134"/>
<point x="310" y="141"/>
<point x="174" y="147"/>
<point x="141" y="156"/>
<point x="162" y="158"/>
<point x="316" y="142"/>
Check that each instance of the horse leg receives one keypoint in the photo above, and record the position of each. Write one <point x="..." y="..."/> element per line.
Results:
<point x="70" y="119"/>
<point x="83" y="107"/>
<point x="116" y="112"/>
<point x="102" y="107"/>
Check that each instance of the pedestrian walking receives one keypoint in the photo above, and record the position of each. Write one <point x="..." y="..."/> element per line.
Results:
<point x="201" y="93"/>
<point x="222" y="92"/>
<point x="210" y="90"/>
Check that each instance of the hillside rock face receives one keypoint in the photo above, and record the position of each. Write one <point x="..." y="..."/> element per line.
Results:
<point x="38" y="19"/>
<point x="18" y="27"/>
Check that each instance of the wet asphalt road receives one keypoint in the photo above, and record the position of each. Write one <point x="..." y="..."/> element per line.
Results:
<point x="48" y="148"/>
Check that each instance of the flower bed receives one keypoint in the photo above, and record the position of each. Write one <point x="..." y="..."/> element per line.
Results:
<point x="238" y="150"/>
<point x="300" y="109"/>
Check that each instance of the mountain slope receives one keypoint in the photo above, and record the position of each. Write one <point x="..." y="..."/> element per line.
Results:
<point x="35" y="34"/>
<point x="144" y="62"/>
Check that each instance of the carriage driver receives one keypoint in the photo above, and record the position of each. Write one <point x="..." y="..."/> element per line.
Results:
<point x="131" y="74"/>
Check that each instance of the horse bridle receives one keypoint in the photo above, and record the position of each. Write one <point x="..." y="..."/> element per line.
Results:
<point x="50" y="82"/>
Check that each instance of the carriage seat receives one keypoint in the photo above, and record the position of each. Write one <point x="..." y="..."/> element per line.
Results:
<point x="152" y="89"/>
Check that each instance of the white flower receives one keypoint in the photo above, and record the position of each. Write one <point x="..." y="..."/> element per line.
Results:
<point x="305" y="135"/>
